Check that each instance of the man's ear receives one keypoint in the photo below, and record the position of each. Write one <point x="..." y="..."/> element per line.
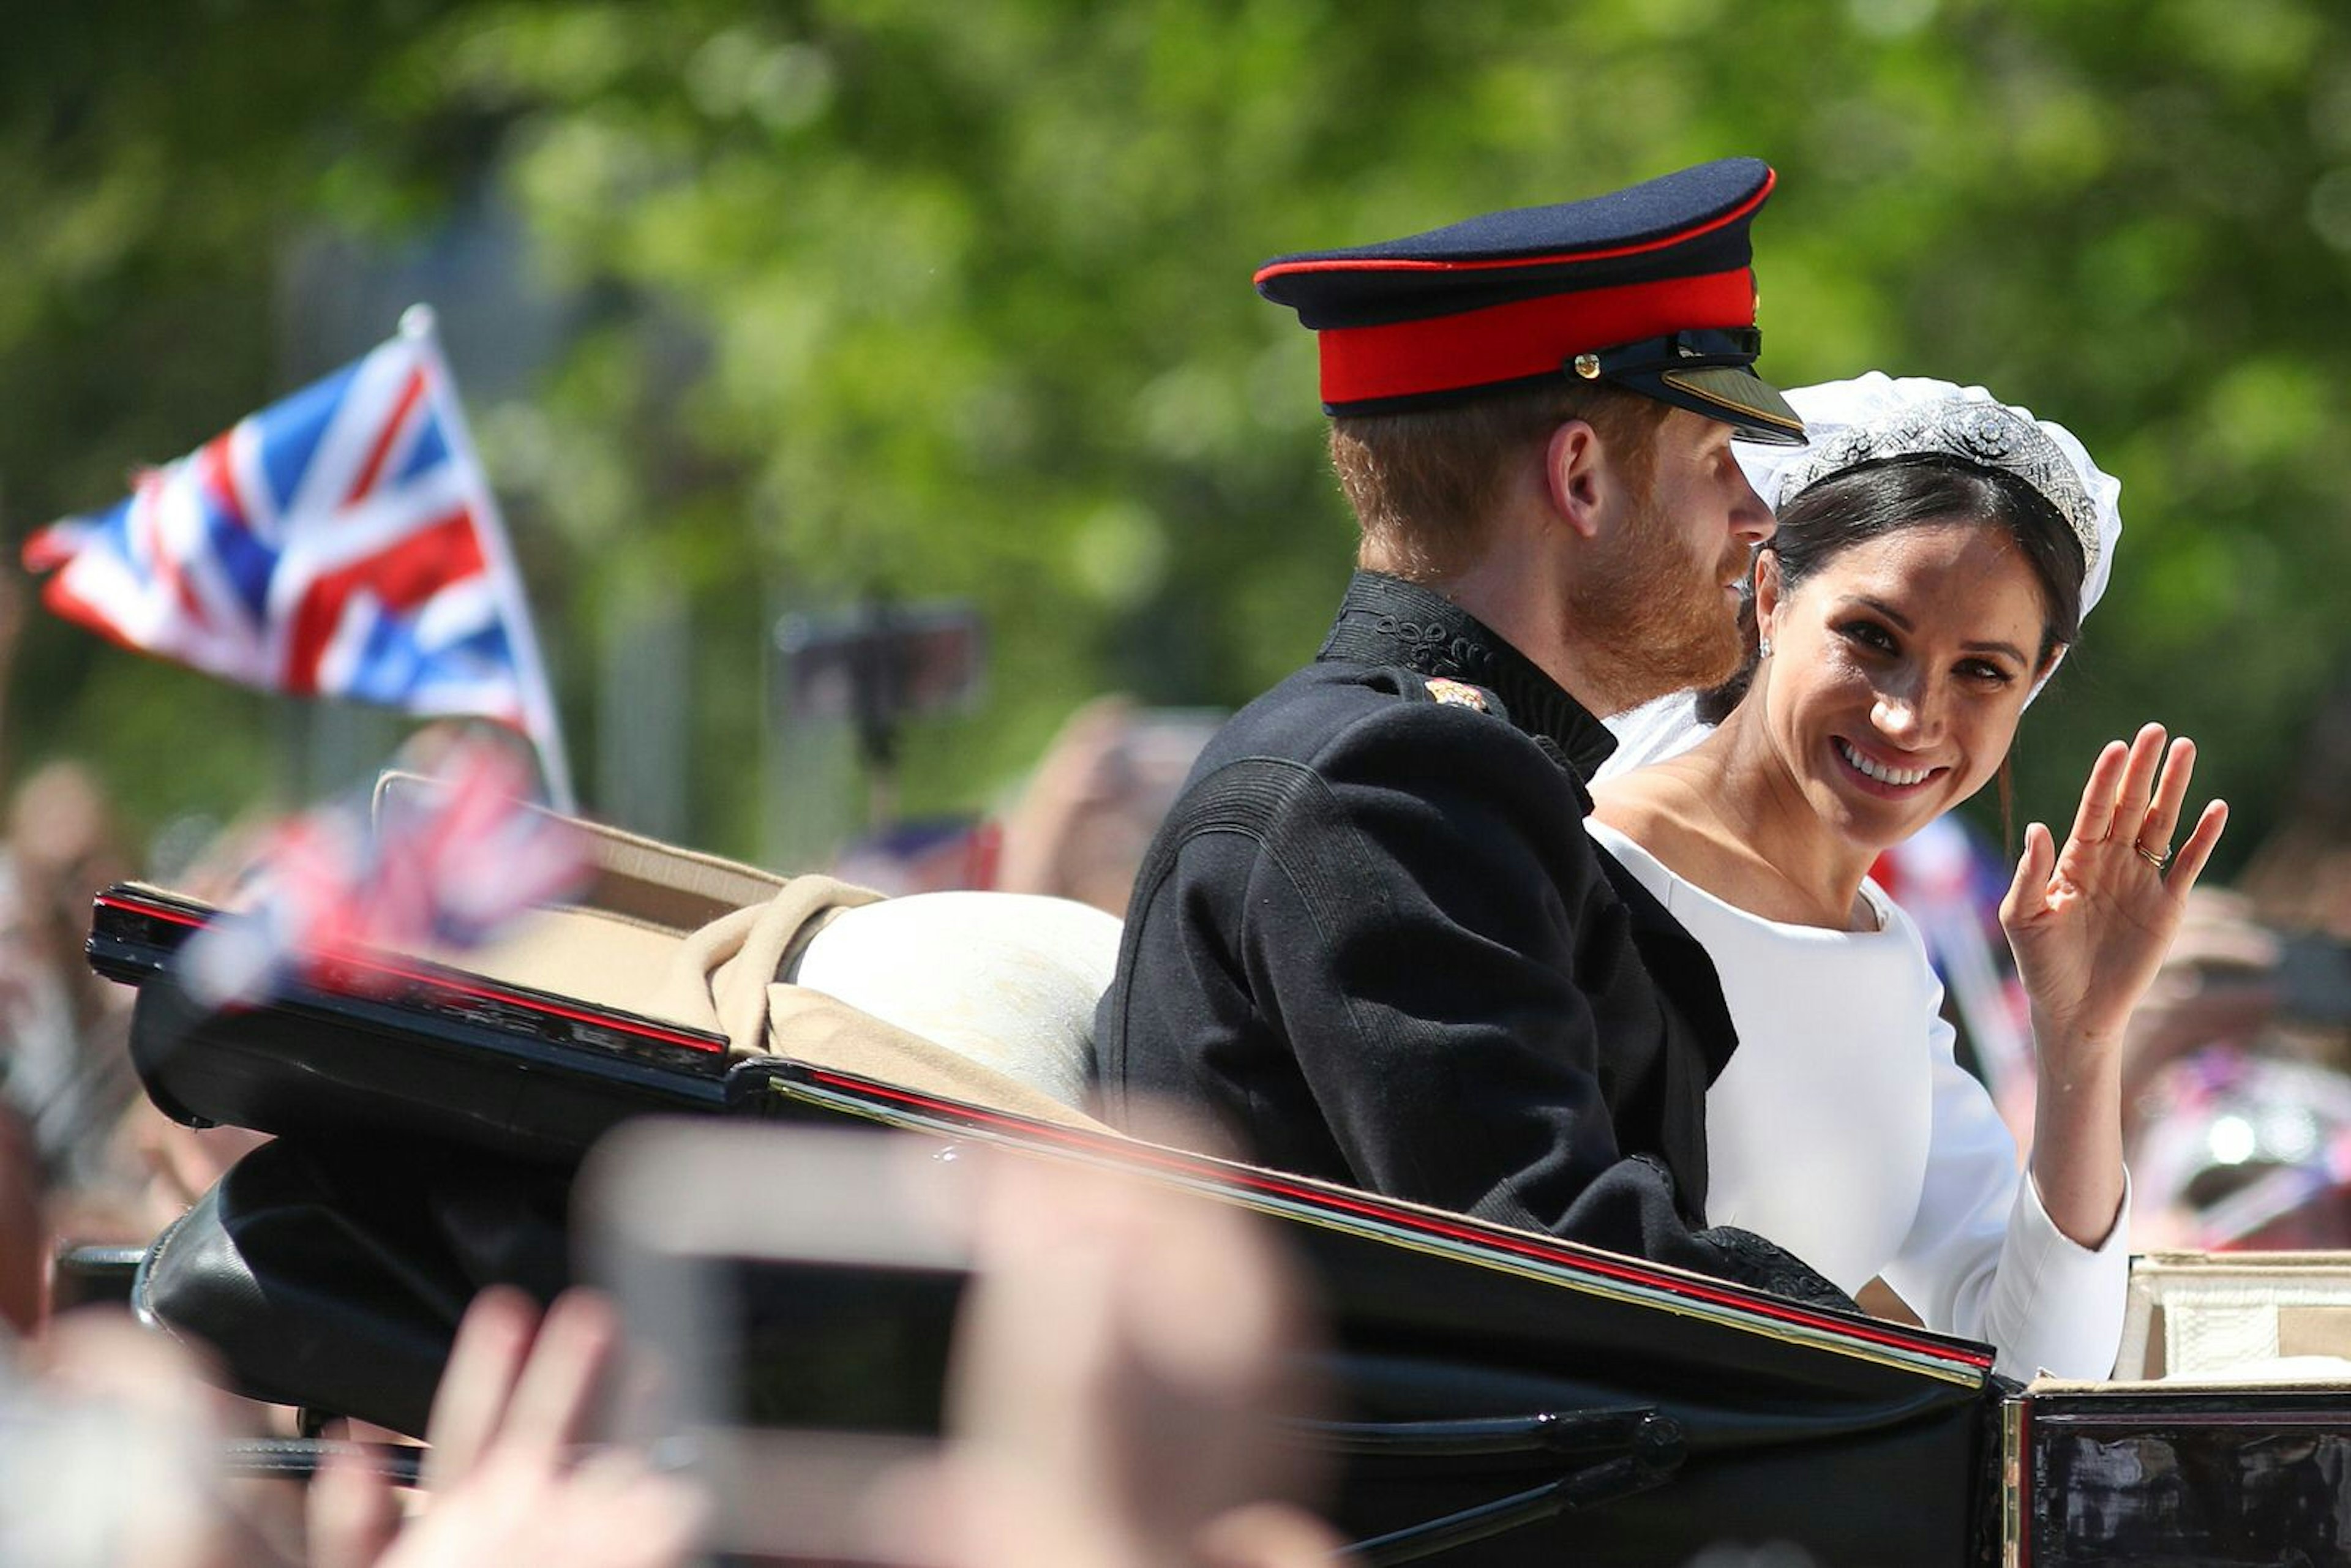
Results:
<point x="1576" y="476"/>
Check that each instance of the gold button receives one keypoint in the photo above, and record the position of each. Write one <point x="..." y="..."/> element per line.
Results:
<point x="1588" y="366"/>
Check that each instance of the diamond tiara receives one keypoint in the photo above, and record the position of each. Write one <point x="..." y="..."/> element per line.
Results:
<point x="1989" y="434"/>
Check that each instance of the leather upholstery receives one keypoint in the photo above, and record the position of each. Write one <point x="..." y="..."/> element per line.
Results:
<point x="333" y="1275"/>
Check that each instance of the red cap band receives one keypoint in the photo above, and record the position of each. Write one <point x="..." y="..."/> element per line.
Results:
<point x="1526" y="339"/>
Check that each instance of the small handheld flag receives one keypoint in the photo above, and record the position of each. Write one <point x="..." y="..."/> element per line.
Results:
<point x="449" y="868"/>
<point x="341" y="542"/>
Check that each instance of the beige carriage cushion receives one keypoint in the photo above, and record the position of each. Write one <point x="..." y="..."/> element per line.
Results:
<point x="708" y="978"/>
<point x="590" y="954"/>
<point x="717" y="978"/>
<point x="617" y="958"/>
<point x="1006" y="980"/>
<point x="2238" y="1317"/>
<point x="636" y="878"/>
<point x="615" y="944"/>
<point x="890" y="1008"/>
<point x="987" y="998"/>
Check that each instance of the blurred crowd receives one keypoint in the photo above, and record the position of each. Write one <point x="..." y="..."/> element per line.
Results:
<point x="110" y="1167"/>
<point x="1083" y="1358"/>
<point x="1083" y="1370"/>
<point x="1099" y="1418"/>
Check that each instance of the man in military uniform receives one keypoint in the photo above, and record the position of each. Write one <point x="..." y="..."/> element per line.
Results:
<point x="1372" y="940"/>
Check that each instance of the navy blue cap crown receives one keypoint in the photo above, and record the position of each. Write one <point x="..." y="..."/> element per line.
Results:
<point x="1648" y="287"/>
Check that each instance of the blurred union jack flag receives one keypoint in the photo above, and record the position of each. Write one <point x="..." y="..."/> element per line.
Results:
<point x="342" y="542"/>
<point x="447" y="866"/>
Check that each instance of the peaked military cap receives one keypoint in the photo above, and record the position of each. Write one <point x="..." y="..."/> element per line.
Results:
<point x="1650" y="289"/>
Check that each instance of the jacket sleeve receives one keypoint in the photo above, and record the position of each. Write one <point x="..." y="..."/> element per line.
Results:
<point x="1428" y="922"/>
<point x="1982" y="1257"/>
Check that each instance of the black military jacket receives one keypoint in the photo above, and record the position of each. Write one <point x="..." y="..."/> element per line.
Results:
<point x="1374" y="940"/>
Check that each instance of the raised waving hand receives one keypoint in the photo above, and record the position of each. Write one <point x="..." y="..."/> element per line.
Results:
<point x="2091" y="922"/>
<point x="2090" y="925"/>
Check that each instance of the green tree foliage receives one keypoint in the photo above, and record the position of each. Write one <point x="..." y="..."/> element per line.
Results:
<point x="924" y="298"/>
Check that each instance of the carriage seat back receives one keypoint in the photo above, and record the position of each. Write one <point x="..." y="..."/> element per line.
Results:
<point x="1005" y="982"/>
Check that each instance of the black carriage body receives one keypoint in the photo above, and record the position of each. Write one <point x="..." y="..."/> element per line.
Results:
<point x="1557" y="1402"/>
<point x="1862" y="1442"/>
<point x="2171" y="1478"/>
<point x="381" y="1045"/>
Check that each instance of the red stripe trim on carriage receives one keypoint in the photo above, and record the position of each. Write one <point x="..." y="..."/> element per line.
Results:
<point x="1525" y="338"/>
<point x="1406" y="263"/>
<point x="537" y="1001"/>
<point x="1371" y="1207"/>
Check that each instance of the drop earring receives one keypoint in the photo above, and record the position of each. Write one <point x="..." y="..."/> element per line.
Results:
<point x="1763" y="647"/>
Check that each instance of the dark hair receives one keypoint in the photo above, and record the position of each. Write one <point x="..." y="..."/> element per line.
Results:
<point x="1873" y="499"/>
<point x="1425" y="484"/>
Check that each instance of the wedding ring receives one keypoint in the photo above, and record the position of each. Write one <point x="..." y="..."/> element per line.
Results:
<point x="2158" y="860"/>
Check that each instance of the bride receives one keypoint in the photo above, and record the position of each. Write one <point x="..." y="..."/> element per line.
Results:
<point x="1936" y="550"/>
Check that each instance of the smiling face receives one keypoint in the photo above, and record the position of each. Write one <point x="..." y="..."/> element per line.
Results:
<point x="1898" y="671"/>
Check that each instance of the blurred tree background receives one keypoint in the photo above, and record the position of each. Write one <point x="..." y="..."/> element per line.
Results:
<point x="789" y="303"/>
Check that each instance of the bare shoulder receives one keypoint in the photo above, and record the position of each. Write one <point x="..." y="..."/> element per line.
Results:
<point x="1650" y="807"/>
<point x="1662" y="808"/>
<point x="1625" y="802"/>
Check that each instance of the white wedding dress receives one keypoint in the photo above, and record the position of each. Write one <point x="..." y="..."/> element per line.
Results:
<point x="1843" y="1129"/>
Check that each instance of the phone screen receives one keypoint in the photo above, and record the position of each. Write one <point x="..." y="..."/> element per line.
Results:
<point x="789" y="1299"/>
<point x="848" y="1349"/>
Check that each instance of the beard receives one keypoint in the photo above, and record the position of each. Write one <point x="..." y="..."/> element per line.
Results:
<point x="1651" y="613"/>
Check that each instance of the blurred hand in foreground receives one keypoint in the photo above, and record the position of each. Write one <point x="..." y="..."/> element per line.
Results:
<point x="109" y="1446"/>
<point x="1123" y="1363"/>
<point x="502" y="1484"/>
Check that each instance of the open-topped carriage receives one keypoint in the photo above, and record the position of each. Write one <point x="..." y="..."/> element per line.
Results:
<point x="1506" y="1396"/>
